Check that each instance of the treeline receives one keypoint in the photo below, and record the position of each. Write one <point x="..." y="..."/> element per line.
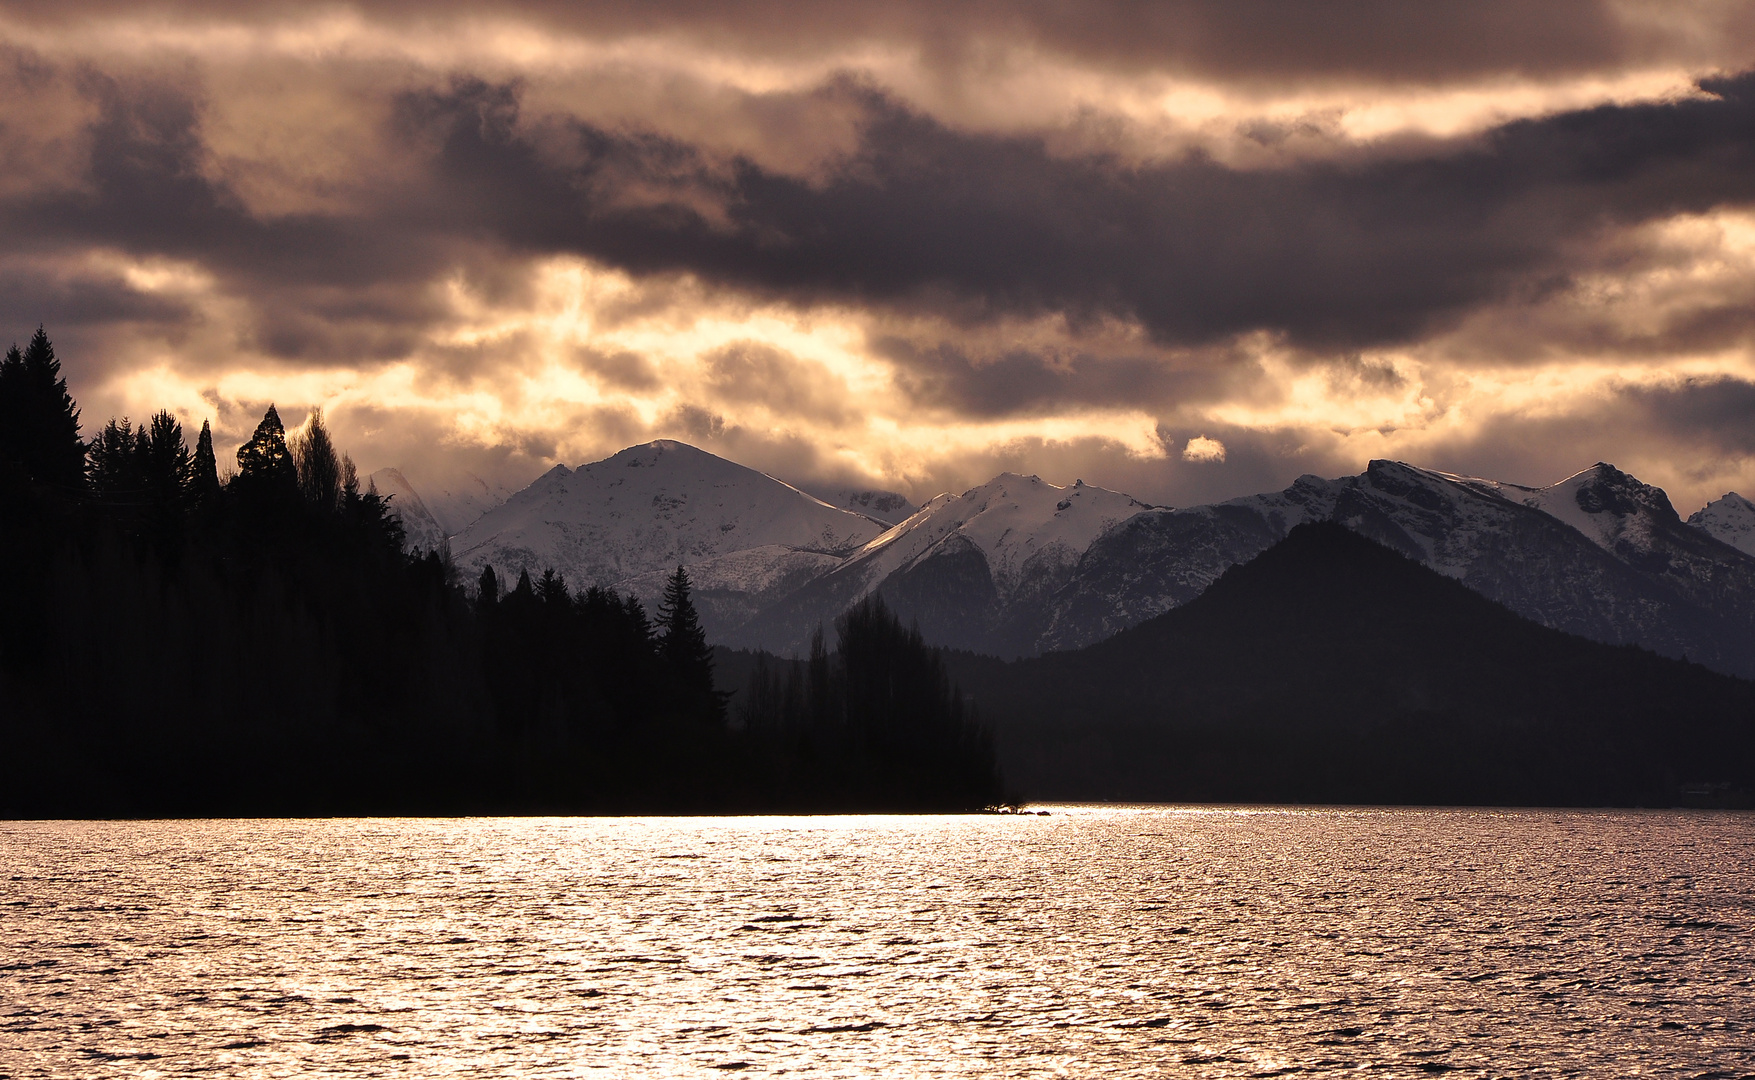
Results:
<point x="880" y="712"/>
<point x="175" y="641"/>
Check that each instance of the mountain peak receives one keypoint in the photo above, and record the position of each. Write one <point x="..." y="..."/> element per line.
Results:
<point x="651" y="507"/>
<point x="1729" y="519"/>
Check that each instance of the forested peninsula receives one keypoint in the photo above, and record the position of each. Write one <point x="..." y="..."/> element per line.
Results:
<point x="178" y="641"/>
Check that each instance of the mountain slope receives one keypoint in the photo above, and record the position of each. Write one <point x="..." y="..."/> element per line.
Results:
<point x="421" y="531"/>
<point x="889" y="507"/>
<point x="627" y="520"/>
<point x="975" y="569"/>
<point x="1599" y="555"/>
<point x="1332" y="668"/>
<point x="433" y="509"/>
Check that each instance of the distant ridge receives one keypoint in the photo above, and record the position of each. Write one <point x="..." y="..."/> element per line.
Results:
<point x="1332" y="669"/>
<point x="1019" y="566"/>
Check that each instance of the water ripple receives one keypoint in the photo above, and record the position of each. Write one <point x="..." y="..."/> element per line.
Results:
<point x="1093" y="942"/>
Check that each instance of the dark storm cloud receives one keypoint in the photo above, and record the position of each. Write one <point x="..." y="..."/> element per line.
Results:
<point x="1716" y="413"/>
<point x="321" y="284"/>
<point x="619" y="367"/>
<point x="1330" y="255"/>
<point x="749" y="371"/>
<point x="1024" y="382"/>
<point x="1268" y="40"/>
<point x="30" y="295"/>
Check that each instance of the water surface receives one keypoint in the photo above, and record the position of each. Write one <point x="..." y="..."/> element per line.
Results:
<point x="1093" y="942"/>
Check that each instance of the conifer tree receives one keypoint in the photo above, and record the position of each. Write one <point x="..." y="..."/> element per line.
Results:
<point x="682" y="645"/>
<point x="488" y="588"/>
<point x="320" y="479"/>
<point x="163" y="459"/>
<point x="265" y="463"/>
<point x="39" y="422"/>
<point x="552" y="590"/>
<point x="113" y="462"/>
<point x="204" y="467"/>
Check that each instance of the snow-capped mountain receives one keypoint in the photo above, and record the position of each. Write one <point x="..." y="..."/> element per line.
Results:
<point x="975" y="570"/>
<point x="630" y="519"/>
<point x="1018" y="566"/>
<point x="436" y="509"/>
<point x="1730" y="520"/>
<point x="1598" y="554"/>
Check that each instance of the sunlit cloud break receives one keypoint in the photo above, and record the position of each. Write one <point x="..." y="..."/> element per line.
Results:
<point x="902" y="247"/>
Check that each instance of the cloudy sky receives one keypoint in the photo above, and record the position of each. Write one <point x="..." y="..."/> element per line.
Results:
<point x="1189" y="249"/>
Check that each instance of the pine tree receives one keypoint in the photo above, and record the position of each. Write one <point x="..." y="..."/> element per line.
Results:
<point x="164" y="461"/>
<point x="112" y="462"/>
<point x="204" y="468"/>
<point x="682" y="646"/>
<point x="265" y="463"/>
<point x="552" y="590"/>
<point x="39" y="422"/>
<point x="488" y="588"/>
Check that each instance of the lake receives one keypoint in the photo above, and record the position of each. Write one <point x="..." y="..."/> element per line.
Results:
<point x="1096" y="941"/>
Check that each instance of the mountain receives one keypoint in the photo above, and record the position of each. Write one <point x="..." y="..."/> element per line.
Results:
<point x="437" y="508"/>
<point x="628" y="520"/>
<point x="975" y="570"/>
<point x="1019" y="566"/>
<point x="1730" y="520"/>
<point x="1598" y="554"/>
<point x="1332" y="668"/>
<point x="889" y="507"/>
<point x="421" y="531"/>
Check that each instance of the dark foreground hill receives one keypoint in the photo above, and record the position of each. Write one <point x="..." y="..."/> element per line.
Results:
<point x="1331" y="669"/>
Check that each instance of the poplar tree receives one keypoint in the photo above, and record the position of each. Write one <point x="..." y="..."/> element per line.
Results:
<point x="204" y="467"/>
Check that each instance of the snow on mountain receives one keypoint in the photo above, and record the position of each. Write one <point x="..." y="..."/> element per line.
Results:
<point x="889" y="507"/>
<point x="455" y="500"/>
<point x="1020" y="524"/>
<point x="432" y="510"/>
<point x="1730" y="520"/>
<point x="1017" y="565"/>
<point x="421" y="531"/>
<point x="1598" y="554"/>
<point x="973" y="569"/>
<point x="625" y="521"/>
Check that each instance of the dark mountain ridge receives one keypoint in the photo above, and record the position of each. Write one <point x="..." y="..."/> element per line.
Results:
<point x="1333" y="669"/>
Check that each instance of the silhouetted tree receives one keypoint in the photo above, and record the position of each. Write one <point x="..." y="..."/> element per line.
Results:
<point x="165" y="469"/>
<point x="113" y="462"/>
<point x="204" y="468"/>
<point x="393" y="692"/>
<point x="682" y="645"/>
<point x="39" y="422"/>
<point x="265" y="463"/>
<point x="819" y="683"/>
<point x="319" y="469"/>
<point x="552" y="589"/>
